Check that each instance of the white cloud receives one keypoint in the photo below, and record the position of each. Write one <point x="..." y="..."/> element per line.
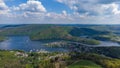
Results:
<point x="70" y="3"/>
<point x="82" y="6"/>
<point x="31" y="6"/>
<point x="3" y="7"/>
<point x="114" y="8"/>
<point x="64" y="13"/>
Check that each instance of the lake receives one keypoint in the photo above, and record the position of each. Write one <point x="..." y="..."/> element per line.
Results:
<point x="24" y="43"/>
<point x="106" y="44"/>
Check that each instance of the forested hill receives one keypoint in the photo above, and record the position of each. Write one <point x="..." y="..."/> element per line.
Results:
<point x="54" y="32"/>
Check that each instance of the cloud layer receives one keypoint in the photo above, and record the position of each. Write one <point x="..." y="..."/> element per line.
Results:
<point x="93" y="7"/>
<point x="83" y="12"/>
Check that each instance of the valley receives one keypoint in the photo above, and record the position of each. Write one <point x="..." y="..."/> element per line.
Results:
<point x="59" y="46"/>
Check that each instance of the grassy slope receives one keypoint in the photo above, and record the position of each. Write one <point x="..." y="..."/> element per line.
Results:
<point x="84" y="64"/>
<point x="104" y="61"/>
<point x="8" y="59"/>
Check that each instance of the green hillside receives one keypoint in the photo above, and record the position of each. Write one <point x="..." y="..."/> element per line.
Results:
<point x="19" y="59"/>
<point x="84" y="64"/>
<point x="86" y="35"/>
<point x="47" y="32"/>
<point x="87" y="32"/>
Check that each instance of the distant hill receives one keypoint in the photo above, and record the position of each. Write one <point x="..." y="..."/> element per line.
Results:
<point x="88" y="34"/>
<point x="48" y="32"/>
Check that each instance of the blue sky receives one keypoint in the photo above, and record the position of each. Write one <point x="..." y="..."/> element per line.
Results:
<point x="50" y="5"/>
<point x="59" y="11"/>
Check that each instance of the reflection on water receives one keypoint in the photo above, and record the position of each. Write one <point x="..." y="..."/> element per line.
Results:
<point x="24" y="43"/>
<point x="107" y="44"/>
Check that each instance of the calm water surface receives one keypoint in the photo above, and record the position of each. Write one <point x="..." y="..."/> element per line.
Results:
<point x="24" y="43"/>
<point x="106" y="44"/>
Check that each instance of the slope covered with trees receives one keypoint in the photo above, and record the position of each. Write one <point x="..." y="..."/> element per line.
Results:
<point x="19" y="59"/>
<point x="48" y="32"/>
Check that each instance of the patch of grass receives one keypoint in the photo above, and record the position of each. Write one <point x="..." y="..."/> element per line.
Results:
<point x="9" y="60"/>
<point x="84" y="64"/>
